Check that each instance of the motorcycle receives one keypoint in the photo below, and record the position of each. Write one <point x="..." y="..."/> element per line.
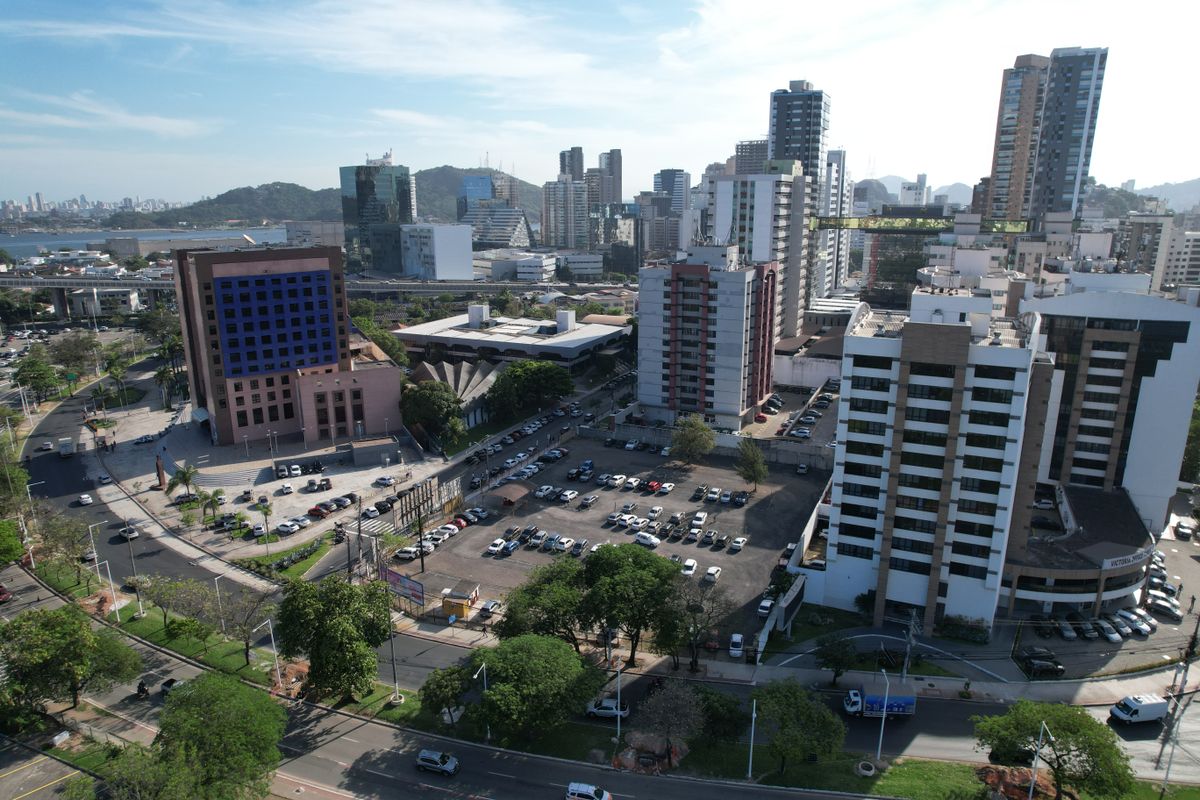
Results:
<point x="142" y="690"/>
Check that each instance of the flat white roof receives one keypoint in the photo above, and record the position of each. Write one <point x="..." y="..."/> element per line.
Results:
<point x="515" y="332"/>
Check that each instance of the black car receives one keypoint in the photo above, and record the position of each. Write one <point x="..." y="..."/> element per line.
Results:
<point x="700" y="491"/>
<point x="1042" y="668"/>
<point x="1045" y="523"/>
<point x="476" y="482"/>
<point x="1036" y="651"/>
<point x="609" y="442"/>
<point x="383" y="505"/>
<point x="1042" y="626"/>
<point x="351" y="496"/>
<point x="741" y="498"/>
<point x="572" y="474"/>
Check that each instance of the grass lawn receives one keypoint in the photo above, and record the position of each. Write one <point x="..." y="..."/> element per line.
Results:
<point x="809" y="619"/>
<point x="63" y="579"/>
<point x="869" y="662"/>
<point x="298" y="569"/>
<point x="574" y="740"/>
<point x="131" y="395"/>
<point x="456" y="446"/>
<point x="90" y="756"/>
<point x="221" y="654"/>
<point x="409" y="713"/>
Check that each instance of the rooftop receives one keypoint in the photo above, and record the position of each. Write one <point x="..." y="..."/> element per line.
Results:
<point x="884" y="324"/>
<point x="1107" y="526"/>
<point x="501" y="331"/>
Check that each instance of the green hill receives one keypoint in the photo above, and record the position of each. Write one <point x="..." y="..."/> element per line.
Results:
<point x="437" y="192"/>
<point x="437" y="198"/>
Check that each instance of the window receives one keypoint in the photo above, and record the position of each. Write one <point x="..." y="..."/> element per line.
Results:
<point x="931" y="370"/>
<point x="917" y="503"/>
<point x="856" y="531"/>
<point x="918" y="414"/>
<point x="905" y="565"/>
<point x="986" y="441"/>
<point x="872" y="362"/>
<point x="980" y="485"/>
<point x="919" y="482"/>
<point x="864" y="449"/>
<point x="922" y="460"/>
<point x="242" y="420"/>
<point x="977" y="507"/>
<point x="988" y="418"/>
<point x="866" y="470"/>
<point x="968" y="570"/>
<point x="258" y="416"/>
<point x="921" y="391"/>
<point x="925" y="437"/>
<point x="972" y="550"/>
<point x="986" y="395"/>
<point x="870" y="384"/>
<point x="911" y="545"/>
<point x="904" y="523"/>
<point x="863" y="426"/>
<point x="1097" y="413"/>
<point x="869" y="406"/>
<point x="974" y="528"/>
<point x="859" y="490"/>
<point x="984" y="464"/>
<point x="995" y="373"/>
<point x="855" y="551"/>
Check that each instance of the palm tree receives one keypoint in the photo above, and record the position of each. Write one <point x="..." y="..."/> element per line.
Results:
<point x="164" y="376"/>
<point x="116" y="370"/>
<point x="184" y="476"/>
<point x="102" y="396"/>
<point x="214" y="499"/>
<point x="265" y="509"/>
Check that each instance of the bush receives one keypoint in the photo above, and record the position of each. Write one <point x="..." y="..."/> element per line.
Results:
<point x="964" y="629"/>
<point x="725" y="719"/>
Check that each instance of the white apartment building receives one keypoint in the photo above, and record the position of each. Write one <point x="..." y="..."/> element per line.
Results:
<point x="765" y="216"/>
<point x="1183" y="259"/>
<point x="837" y="197"/>
<point x="538" y="267"/>
<point x="565" y="220"/>
<point x="584" y="266"/>
<point x="705" y="336"/>
<point x="1143" y="244"/>
<point x="436" y="252"/>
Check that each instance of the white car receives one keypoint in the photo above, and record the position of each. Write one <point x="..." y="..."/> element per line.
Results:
<point x="614" y="518"/>
<point x="287" y="527"/>
<point x="736" y="643"/>
<point x="714" y="494"/>
<point x="85" y="500"/>
<point x="287" y="488"/>
<point x="447" y="530"/>
<point x="482" y="513"/>
<point x="737" y="544"/>
<point x="633" y="484"/>
<point x="496" y="546"/>
<point x="617" y="481"/>
<point x="129" y="532"/>
<point x="543" y="492"/>
<point x="655" y="512"/>
<point x="370" y="512"/>
<point x="47" y="445"/>
<point x="385" y="480"/>
<point x="103" y="480"/>
<point x="1107" y="630"/>
<point x="631" y="444"/>
<point x="301" y="521"/>
<point x="638" y="524"/>
<point x="1043" y="505"/>
<point x="568" y="496"/>
<point x="764" y="608"/>
<point x="647" y="540"/>
<point x="564" y="544"/>
<point x="689" y="567"/>
<point x="666" y="488"/>
<point x="700" y="518"/>
<point x="666" y="451"/>
<point x="259" y="529"/>
<point x="625" y="520"/>
<point x="713" y="574"/>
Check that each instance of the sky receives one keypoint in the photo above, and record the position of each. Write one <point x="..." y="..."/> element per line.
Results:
<point x="179" y="99"/>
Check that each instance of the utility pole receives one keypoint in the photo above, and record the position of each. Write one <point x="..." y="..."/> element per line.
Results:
<point x="914" y="628"/>
<point x="1177" y="710"/>
<point x="360" y="547"/>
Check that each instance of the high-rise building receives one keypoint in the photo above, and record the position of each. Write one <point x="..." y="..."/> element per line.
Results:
<point x="799" y="127"/>
<point x="750" y="156"/>
<point x="1067" y="129"/>
<point x="610" y="166"/>
<point x="476" y="190"/>
<point x="764" y="215"/>
<point x="1143" y="242"/>
<point x="1045" y="126"/>
<point x="570" y="162"/>
<point x="1183" y="258"/>
<point x="434" y="252"/>
<point x="498" y="226"/>
<point x="270" y="348"/>
<point x="375" y="193"/>
<point x="675" y="183"/>
<point x="707" y="336"/>
<point x="565" y="213"/>
<point x="837" y="196"/>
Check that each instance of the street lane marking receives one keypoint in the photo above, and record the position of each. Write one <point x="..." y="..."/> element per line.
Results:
<point x="26" y="766"/>
<point x="503" y="775"/>
<point x="348" y="739"/>
<point x="45" y="785"/>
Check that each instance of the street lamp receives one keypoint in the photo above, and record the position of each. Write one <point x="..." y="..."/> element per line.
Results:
<point x="29" y="494"/>
<point x="246" y="441"/>
<point x="385" y="426"/>
<point x="137" y="589"/>
<point x="483" y="669"/>
<point x="92" y="535"/>
<point x="887" y="688"/>
<point x="304" y="437"/>
<point x="274" y="652"/>
<point x="617" y="741"/>
<point x="220" y="610"/>
<point x="1043" y="730"/>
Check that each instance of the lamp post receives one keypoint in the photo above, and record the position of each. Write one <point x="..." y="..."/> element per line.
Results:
<point x="274" y="652"/>
<point x="887" y="689"/>
<point x="753" y="722"/>
<point x="92" y="535"/>
<point x="112" y="590"/>
<point x="385" y="426"/>
<point x="220" y="610"/>
<point x="137" y="589"/>
<point x="1042" y="731"/>
<point x="304" y="437"/>
<point x="617" y="741"/>
<point x="29" y="494"/>
<point x="246" y="441"/>
<point x="483" y="669"/>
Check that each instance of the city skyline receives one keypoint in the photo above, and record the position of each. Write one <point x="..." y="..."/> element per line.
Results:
<point x="164" y="107"/>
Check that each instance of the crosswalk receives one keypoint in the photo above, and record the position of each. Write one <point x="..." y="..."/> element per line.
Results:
<point x="380" y="526"/>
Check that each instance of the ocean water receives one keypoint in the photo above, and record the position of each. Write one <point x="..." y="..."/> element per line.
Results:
<point x="30" y="244"/>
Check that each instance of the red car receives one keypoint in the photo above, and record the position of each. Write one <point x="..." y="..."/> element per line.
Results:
<point x="5" y="595"/>
<point x="317" y="512"/>
<point x="460" y="522"/>
<point x="760" y="417"/>
<point x="654" y="486"/>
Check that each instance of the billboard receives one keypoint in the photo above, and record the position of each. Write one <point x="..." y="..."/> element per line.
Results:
<point x="405" y="586"/>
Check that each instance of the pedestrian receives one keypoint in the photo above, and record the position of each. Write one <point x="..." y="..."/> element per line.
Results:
<point x="1192" y="604"/>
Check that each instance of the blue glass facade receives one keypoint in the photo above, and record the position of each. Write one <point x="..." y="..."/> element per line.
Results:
<point x="276" y="322"/>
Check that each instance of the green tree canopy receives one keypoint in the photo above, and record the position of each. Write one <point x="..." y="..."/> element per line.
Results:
<point x="534" y="684"/>
<point x="56" y="655"/>
<point x="549" y="603"/>
<point x="628" y="587"/>
<point x="430" y="404"/>
<point x="837" y="653"/>
<point x="751" y="466"/>
<point x="337" y="626"/>
<point x="76" y="352"/>
<point x="11" y="546"/>
<point x="800" y="725"/>
<point x="675" y="712"/>
<point x="527" y="385"/>
<point x="142" y="773"/>
<point x="692" y="439"/>
<point x="38" y="375"/>
<point x="445" y="688"/>
<point x="393" y="347"/>
<point x="1083" y="753"/>
<point x="228" y="731"/>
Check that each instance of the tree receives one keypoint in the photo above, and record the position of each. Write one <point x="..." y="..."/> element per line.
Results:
<point x="1082" y="753"/>
<point x="211" y="500"/>
<point x="692" y="439"/>
<point x="837" y="653"/>
<point x="56" y="655"/>
<point x="164" y="378"/>
<point x="701" y="606"/>
<point x="445" y="688"/>
<point x="11" y="546"/>
<point x="801" y="726"/>
<point x="1189" y="467"/>
<point x="548" y="603"/>
<point x="751" y="466"/>
<point x="337" y="626"/>
<point x="675" y="712"/>
<point x="243" y="611"/>
<point x="725" y="718"/>
<point x="181" y="596"/>
<point x="184" y="476"/>
<point x="135" y="263"/>
<point x="627" y="588"/>
<point x="431" y="404"/>
<point x="102" y="396"/>
<point x="76" y="352"/>
<point x="37" y="374"/>
<point x="189" y="628"/>
<point x="534" y="684"/>
<point x="526" y="385"/>
<point x="142" y="773"/>
<point x="228" y="731"/>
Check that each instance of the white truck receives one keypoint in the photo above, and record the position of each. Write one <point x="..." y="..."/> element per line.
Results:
<point x="66" y="447"/>
<point x="875" y="697"/>
<point x="1140" y="708"/>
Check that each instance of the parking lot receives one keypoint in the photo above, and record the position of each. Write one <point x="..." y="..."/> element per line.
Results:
<point x="818" y="409"/>
<point x="25" y="774"/>
<point x="769" y="521"/>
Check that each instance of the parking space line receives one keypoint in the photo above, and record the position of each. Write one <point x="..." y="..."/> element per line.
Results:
<point x="23" y="766"/>
<point x="70" y="774"/>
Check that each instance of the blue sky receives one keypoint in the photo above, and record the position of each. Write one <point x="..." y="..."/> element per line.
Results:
<point x="173" y="99"/>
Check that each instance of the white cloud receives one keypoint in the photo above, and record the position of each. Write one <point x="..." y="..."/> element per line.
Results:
<point x="414" y="119"/>
<point x="88" y="111"/>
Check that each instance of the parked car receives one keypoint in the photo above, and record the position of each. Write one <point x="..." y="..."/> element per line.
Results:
<point x="765" y="606"/>
<point x="496" y="546"/>
<point x="689" y="567"/>
<point x="608" y="707"/>
<point x="737" y="544"/>
<point x="736" y="646"/>
<point x="436" y="761"/>
<point x="370" y="512"/>
<point x="666" y="488"/>
<point x="713" y="574"/>
<point x="490" y="608"/>
<point x="589" y="501"/>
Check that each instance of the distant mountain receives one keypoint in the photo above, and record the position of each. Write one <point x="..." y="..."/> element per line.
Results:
<point x="873" y="191"/>
<point x="437" y="193"/>
<point x="892" y="182"/>
<point x="1179" y="196"/>
<point x="959" y="193"/>
<point x="251" y="205"/>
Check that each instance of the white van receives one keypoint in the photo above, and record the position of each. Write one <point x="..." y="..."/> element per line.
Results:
<point x="1140" y="708"/>
<point x="586" y="791"/>
<point x="647" y="539"/>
